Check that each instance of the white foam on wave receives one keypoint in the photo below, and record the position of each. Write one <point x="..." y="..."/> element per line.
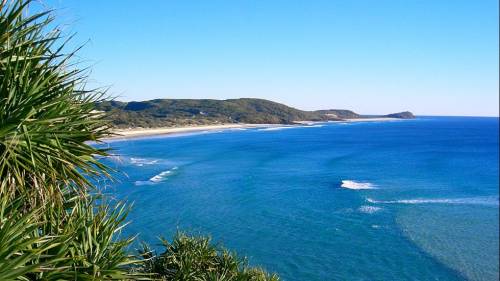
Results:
<point x="161" y="176"/>
<point x="491" y="201"/>
<point x="125" y="160"/>
<point x="369" y="209"/>
<point x="158" y="178"/>
<point x="350" y="184"/>
<point x="143" y="183"/>
<point x="279" y="128"/>
<point x="143" y="161"/>
<point x="275" y="128"/>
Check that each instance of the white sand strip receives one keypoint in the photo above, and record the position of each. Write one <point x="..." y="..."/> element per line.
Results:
<point x="141" y="132"/>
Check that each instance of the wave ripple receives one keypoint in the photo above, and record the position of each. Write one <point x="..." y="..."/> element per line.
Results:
<point x="369" y="209"/>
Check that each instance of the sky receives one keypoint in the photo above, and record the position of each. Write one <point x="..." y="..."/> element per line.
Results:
<point x="430" y="57"/>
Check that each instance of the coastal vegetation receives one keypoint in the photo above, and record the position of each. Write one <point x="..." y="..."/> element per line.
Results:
<point x="181" y="112"/>
<point x="187" y="112"/>
<point x="196" y="258"/>
<point x="401" y="115"/>
<point x="55" y="224"/>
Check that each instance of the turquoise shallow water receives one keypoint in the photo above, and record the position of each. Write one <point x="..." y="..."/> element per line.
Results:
<point x="430" y="211"/>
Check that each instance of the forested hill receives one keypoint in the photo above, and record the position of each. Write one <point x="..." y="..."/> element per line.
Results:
<point x="181" y="112"/>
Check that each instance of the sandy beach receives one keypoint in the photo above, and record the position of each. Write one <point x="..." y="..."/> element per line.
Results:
<point x="143" y="132"/>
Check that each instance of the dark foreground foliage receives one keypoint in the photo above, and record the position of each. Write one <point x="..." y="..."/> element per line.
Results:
<point x="195" y="258"/>
<point x="50" y="226"/>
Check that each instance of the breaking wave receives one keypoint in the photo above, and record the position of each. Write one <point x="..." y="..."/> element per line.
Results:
<point x="125" y="160"/>
<point x="161" y="176"/>
<point x="350" y="184"/>
<point x="290" y="127"/>
<point x="158" y="178"/>
<point x="276" y="128"/>
<point x="490" y="201"/>
<point x="142" y="161"/>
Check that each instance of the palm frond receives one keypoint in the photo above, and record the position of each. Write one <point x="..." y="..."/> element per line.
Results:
<point x="46" y="117"/>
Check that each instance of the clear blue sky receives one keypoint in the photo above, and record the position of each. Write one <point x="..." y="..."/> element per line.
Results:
<point x="432" y="57"/>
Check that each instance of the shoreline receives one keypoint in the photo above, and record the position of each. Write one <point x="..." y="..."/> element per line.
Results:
<point x="350" y="120"/>
<point x="132" y="133"/>
<point x="375" y="119"/>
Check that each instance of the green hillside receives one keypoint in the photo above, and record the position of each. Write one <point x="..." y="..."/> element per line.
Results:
<point x="179" y="112"/>
<point x="182" y="112"/>
<point x="339" y="113"/>
<point x="401" y="115"/>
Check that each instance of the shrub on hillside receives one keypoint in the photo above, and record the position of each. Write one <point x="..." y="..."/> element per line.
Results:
<point x="195" y="258"/>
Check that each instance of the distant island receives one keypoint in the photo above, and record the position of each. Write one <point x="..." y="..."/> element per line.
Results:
<point x="197" y="112"/>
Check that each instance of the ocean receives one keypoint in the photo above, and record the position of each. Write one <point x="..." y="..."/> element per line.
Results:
<point x="399" y="200"/>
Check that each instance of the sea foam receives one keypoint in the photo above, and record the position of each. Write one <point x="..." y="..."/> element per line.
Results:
<point x="143" y="161"/>
<point x="158" y="178"/>
<point x="276" y="128"/>
<point x="491" y="201"/>
<point x="350" y="184"/>
<point x="279" y="128"/>
<point x="161" y="176"/>
<point x="369" y="209"/>
<point x="125" y="160"/>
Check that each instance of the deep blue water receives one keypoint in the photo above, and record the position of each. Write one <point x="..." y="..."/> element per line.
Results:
<point x="275" y="196"/>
